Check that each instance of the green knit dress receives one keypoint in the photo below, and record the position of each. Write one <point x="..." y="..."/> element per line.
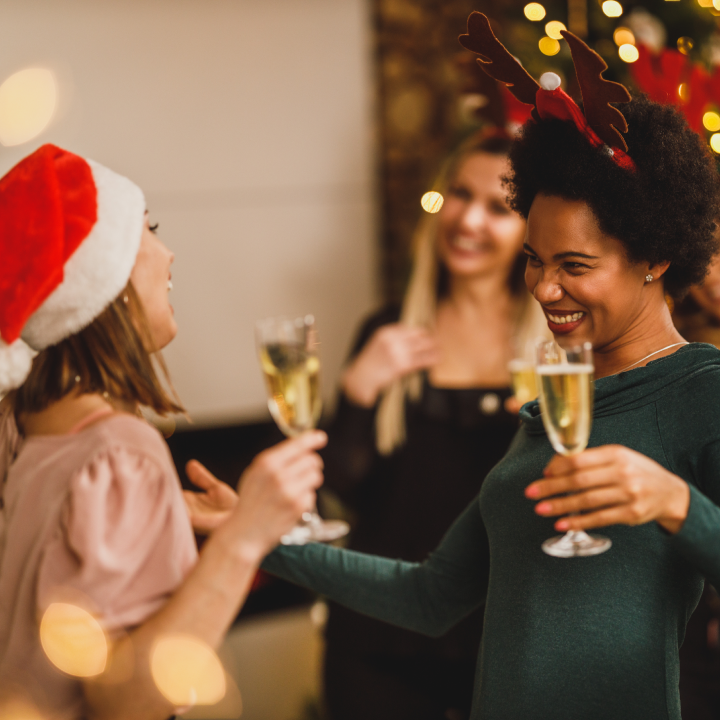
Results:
<point x="564" y="639"/>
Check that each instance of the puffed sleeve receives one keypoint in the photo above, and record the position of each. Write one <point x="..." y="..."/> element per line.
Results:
<point x="124" y="542"/>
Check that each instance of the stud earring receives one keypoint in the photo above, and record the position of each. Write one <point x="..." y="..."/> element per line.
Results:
<point x="126" y="299"/>
<point x="649" y="278"/>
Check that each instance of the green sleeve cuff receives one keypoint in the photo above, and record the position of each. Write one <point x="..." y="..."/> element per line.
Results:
<point x="699" y="537"/>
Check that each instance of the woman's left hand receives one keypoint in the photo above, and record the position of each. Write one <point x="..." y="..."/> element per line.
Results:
<point x="610" y="485"/>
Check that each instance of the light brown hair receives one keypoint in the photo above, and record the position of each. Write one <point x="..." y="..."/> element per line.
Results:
<point x="110" y="357"/>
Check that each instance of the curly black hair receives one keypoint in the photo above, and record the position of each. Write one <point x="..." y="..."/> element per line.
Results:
<point x="664" y="211"/>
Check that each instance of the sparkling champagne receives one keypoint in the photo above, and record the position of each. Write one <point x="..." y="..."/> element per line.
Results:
<point x="523" y="380"/>
<point x="566" y="401"/>
<point x="292" y="377"/>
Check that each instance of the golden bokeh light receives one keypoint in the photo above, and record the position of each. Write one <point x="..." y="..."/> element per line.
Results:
<point x="432" y="202"/>
<point x="628" y="53"/>
<point x="187" y="671"/>
<point x="27" y="104"/>
<point x="73" y="640"/>
<point x="612" y="8"/>
<point x="553" y="29"/>
<point x="549" y="46"/>
<point x="623" y="36"/>
<point x="705" y="3"/>
<point x="711" y="121"/>
<point x="716" y="4"/>
<point x="684" y="92"/>
<point x="534" y="12"/>
<point x="715" y="142"/>
<point x="19" y="710"/>
<point x="685" y="45"/>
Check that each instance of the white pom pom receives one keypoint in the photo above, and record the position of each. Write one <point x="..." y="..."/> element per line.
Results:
<point x="550" y="81"/>
<point x="15" y="363"/>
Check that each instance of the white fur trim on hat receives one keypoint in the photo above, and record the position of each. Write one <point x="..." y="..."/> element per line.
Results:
<point x="99" y="269"/>
<point x="15" y="363"/>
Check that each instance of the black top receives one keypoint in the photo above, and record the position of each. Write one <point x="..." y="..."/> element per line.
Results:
<point x="404" y="503"/>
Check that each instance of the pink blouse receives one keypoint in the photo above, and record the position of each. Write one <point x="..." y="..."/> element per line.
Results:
<point x="96" y="516"/>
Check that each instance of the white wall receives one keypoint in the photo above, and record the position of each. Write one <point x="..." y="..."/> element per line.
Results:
<point x="248" y="125"/>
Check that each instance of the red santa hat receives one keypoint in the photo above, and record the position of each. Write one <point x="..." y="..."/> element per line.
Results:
<point x="69" y="234"/>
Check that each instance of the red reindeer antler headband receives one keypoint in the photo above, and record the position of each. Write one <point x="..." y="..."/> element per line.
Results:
<point x="601" y="124"/>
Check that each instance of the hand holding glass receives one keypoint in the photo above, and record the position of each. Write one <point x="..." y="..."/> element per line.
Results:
<point x="291" y="366"/>
<point x="565" y="377"/>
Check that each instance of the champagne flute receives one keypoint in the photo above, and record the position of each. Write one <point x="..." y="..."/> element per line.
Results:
<point x="565" y="378"/>
<point x="522" y="372"/>
<point x="291" y="366"/>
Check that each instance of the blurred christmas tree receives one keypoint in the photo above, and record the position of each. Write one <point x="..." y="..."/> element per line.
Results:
<point x="668" y="48"/>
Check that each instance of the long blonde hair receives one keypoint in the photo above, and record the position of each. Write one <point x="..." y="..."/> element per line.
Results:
<point x="420" y="303"/>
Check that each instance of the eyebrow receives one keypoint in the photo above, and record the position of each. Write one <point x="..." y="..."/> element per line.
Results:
<point x="564" y="255"/>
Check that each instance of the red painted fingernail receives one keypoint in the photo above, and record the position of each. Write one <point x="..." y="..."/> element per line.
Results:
<point x="543" y="508"/>
<point x="532" y="491"/>
<point x="562" y="525"/>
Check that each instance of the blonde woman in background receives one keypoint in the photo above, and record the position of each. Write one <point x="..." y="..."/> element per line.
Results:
<point x="421" y="420"/>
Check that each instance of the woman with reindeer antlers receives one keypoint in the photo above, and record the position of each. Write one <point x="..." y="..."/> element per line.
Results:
<point x="612" y="227"/>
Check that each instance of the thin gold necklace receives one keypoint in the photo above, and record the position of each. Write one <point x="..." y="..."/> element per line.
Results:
<point x="650" y="355"/>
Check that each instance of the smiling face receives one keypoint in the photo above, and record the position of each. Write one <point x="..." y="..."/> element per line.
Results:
<point x="151" y="279"/>
<point x="478" y="233"/>
<point x="583" y="279"/>
<point x="707" y="295"/>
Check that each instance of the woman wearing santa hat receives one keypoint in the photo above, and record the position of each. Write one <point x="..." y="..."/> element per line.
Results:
<point x="91" y="511"/>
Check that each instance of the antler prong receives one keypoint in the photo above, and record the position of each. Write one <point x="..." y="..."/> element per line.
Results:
<point x="496" y="61"/>
<point x="607" y="122"/>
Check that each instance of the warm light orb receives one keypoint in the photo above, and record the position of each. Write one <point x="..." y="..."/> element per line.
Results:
<point x="705" y="3"/>
<point x="187" y="671"/>
<point x="715" y="142"/>
<point x="684" y="92"/>
<point x="623" y="36"/>
<point x="19" y="710"/>
<point x="553" y="29"/>
<point x="612" y="8"/>
<point x="534" y="12"/>
<point x="711" y="121"/>
<point x="27" y="104"/>
<point x="549" y="46"/>
<point x="716" y="4"/>
<point x="628" y="53"/>
<point x="685" y="45"/>
<point x="432" y="202"/>
<point x="73" y="640"/>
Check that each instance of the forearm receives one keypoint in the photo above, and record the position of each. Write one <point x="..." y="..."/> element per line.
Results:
<point x="204" y="607"/>
<point x="428" y="597"/>
<point x="699" y="536"/>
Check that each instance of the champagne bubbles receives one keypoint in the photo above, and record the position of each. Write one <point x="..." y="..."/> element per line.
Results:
<point x="534" y="12"/>
<point x="628" y="53"/>
<point x="27" y="104"/>
<point x="553" y="29"/>
<point x="432" y="202"/>
<point x="612" y="8"/>
<point x="711" y="121"/>
<point x="549" y="46"/>
<point x="685" y="45"/>
<point x="623" y="36"/>
<point x="73" y="640"/>
<point x="187" y="671"/>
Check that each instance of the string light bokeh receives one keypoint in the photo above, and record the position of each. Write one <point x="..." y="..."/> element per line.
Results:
<point x="432" y="202"/>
